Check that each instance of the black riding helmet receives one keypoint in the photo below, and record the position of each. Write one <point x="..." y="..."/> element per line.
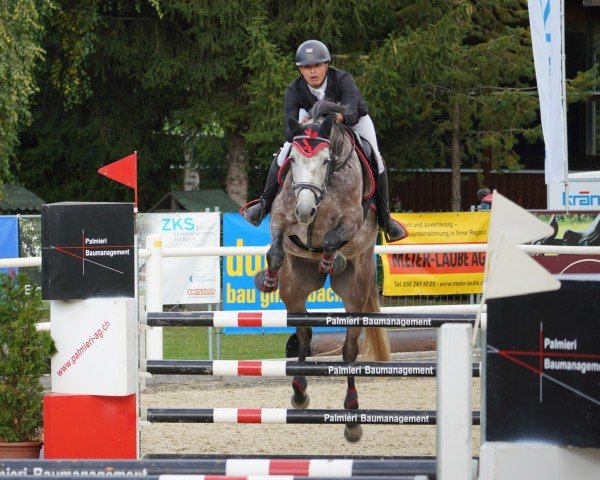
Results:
<point x="312" y="52"/>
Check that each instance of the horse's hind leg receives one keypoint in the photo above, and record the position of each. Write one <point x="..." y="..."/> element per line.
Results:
<point x="356" y="286"/>
<point x="300" y="397"/>
<point x="353" y="431"/>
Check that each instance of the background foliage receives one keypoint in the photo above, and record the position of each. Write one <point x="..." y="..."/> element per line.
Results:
<point x="24" y="356"/>
<point x="448" y="83"/>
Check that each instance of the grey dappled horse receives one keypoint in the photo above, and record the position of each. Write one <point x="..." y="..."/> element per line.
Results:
<point x="319" y="227"/>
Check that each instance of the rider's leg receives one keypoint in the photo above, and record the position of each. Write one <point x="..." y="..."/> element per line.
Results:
<point x="393" y="230"/>
<point x="257" y="212"/>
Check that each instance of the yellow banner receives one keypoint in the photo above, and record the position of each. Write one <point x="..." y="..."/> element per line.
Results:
<point x="437" y="273"/>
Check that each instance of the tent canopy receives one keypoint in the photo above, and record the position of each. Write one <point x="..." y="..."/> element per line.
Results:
<point x="17" y="199"/>
<point x="196" y="201"/>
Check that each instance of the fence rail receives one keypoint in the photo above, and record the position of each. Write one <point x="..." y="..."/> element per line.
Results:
<point x="289" y="368"/>
<point x="379" y="249"/>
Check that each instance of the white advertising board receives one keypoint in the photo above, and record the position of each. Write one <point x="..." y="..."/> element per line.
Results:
<point x="96" y="343"/>
<point x="584" y="192"/>
<point x="186" y="280"/>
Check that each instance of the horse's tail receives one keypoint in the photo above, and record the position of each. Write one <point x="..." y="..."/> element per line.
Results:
<point x="377" y="344"/>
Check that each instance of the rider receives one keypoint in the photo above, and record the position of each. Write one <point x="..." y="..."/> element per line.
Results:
<point x="318" y="81"/>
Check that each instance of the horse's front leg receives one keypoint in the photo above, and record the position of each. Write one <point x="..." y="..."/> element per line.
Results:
<point x="298" y="279"/>
<point x="332" y="261"/>
<point x="353" y="431"/>
<point x="267" y="280"/>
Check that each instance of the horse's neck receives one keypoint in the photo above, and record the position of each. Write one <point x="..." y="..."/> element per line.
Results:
<point x="344" y="147"/>
<point x="342" y="143"/>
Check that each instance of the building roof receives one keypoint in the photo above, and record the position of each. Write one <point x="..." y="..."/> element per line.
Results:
<point x="17" y="199"/>
<point x="196" y="201"/>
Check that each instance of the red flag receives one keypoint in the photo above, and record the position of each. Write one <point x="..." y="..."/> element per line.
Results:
<point x="123" y="171"/>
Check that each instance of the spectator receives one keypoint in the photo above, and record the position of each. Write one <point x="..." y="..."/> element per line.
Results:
<point x="485" y="198"/>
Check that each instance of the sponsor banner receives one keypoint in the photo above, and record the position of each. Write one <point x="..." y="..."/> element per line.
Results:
<point x="546" y="41"/>
<point x="239" y="292"/>
<point x="96" y="341"/>
<point x="543" y="366"/>
<point x="88" y="250"/>
<point x="186" y="280"/>
<point x="584" y="192"/>
<point x="437" y="273"/>
<point x="9" y="239"/>
<point x="571" y="229"/>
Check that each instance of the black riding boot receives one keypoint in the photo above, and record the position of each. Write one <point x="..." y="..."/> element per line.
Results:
<point x="392" y="229"/>
<point x="257" y="212"/>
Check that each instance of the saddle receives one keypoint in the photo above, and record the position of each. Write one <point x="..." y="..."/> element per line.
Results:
<point x="370" y="170"/>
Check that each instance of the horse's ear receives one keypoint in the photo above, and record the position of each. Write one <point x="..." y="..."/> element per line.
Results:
<point x="295" y="126"/>
<point x="325" y="128"/>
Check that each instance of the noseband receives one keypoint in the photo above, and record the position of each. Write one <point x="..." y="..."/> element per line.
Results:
<point x="308" y="149"/>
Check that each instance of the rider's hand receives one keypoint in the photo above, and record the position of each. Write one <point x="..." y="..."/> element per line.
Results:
<point x="304" y="120"/>
<point x="339" y="117"/>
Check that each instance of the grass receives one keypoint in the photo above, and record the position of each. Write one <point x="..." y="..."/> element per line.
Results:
<point x="183" y="343"/>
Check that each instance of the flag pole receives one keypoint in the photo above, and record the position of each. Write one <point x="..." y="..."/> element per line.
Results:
<point x="135" y="189"/>
<point x="563" y="47"/>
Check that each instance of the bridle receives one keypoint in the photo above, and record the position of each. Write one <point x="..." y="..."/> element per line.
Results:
<point x="309" y="147"/>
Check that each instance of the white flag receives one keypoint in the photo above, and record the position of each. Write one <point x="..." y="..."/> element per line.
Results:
<point x="508" y="271"/>
<point x="513" y="272"/>
<point x="514" y="223"/>
<point x="546" y="39"/>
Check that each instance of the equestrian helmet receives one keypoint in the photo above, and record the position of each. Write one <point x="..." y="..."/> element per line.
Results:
<point x="312" y="52"/>
<point x="483" y="192"/>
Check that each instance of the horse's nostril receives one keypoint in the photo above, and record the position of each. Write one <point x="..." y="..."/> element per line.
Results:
<point x="313" y="212"/>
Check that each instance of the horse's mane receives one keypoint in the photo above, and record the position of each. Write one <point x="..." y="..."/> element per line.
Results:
<point x="322" y="108"/>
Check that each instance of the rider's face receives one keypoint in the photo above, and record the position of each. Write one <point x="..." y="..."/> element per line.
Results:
<point x="314" y="74"/>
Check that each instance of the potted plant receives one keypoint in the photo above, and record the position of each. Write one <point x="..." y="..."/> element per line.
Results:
<point x="24" y="355"/>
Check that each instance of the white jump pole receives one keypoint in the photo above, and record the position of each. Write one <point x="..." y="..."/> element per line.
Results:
<point x="154" y="337"/>
<point x="454" y="405"/>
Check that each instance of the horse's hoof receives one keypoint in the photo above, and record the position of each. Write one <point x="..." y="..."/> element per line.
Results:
<point x="302" y="404"/>
<point x="333" y="266"/>
<point x="264" y="282"/>
<point x="339" y="264"/>
<point x="353" y="433"/>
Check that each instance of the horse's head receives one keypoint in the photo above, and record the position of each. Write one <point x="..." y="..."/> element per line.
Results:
<point x="311" y="165"/>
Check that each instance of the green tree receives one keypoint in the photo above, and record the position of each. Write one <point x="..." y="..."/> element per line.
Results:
<point x="133" y="76"/>
<point x="459" y="87"/>
<point x="199" y="86"/>
<point x="24" y="358"/>
<point x="21" y="28"/>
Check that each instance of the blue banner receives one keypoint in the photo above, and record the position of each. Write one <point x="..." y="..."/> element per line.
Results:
<point x="9" y="239"/>
<point x="238" y="291"/>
